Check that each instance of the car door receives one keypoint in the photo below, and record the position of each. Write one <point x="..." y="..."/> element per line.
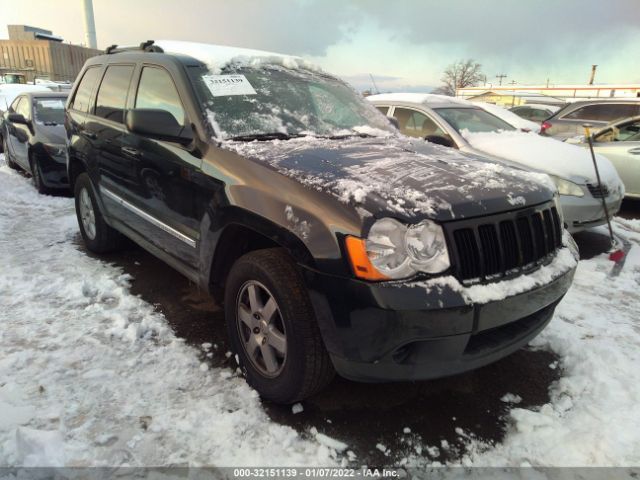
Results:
<point x="19" y="134"/>
<point x="159" y="195"/>
<point x="622" y="147"/>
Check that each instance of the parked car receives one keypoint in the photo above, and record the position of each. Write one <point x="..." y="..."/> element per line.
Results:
<point x="509" y="117"/>
<point x="8" y="93"/>
<point x="620" y="143"/>
<point x="567" y="122"/>
<point x="463" y="125"/>
<point x="535" y="112"/>
<point x="333" y="242"/>
<point x="34" y="138"/>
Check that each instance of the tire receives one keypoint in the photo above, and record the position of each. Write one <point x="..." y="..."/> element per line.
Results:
<point x="101" y="238"/>
<point x="10" y="163"/>
<point x="306" y="367"/>
<point x="36" y="174"/>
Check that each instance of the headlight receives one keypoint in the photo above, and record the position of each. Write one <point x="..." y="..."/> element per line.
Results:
<point x="565" y="187"/>
<point x="55" y="150"/>
<point x="394" y="250"/>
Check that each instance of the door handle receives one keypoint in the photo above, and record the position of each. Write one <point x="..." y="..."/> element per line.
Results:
<point x="634" y="151"/>
<point x="134" y="152"/>
<point x="87" y="133"/>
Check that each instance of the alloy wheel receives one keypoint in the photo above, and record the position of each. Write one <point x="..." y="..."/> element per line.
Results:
<point x="87" y="214"/>
<point x="262" y="332"/>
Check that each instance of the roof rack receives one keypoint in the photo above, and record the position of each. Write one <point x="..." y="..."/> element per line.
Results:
<point x="147" y="46"/>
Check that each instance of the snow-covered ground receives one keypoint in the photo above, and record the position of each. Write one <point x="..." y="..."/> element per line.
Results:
<point x="93" y="375"/>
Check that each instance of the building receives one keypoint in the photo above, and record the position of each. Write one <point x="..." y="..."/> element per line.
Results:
<point x="565" y="92"/>
<point x="510" y="98"/>
<point x="36" y="53"/>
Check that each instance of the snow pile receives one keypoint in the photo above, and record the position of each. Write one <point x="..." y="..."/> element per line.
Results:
<point x="594" y="414"/>
<point x="91" y="375"/>
<point x="545" y="154"/>
<point x="216" y="57"/>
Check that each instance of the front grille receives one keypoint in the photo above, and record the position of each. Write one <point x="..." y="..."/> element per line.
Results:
<point x="597" y="191"/>
<point x="506" y="244"/>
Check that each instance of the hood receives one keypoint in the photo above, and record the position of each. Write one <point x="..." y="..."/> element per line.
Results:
<point x="51" y="134"/>
<point x="400" y="177"/>
<point x="544" y="154"/>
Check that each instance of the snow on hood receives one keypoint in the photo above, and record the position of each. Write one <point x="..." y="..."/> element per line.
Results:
<point x="400" y="176"/>
<point x="544" y="154"/>
<point x="216" y="57"/>
<point x="508" y="116"/>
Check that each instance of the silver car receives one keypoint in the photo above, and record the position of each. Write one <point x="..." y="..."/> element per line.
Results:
<point x="535" y="112"/>
<point x="620" y="143"/>
<point x="443" y="120"/>
<point x="567" y="122"/>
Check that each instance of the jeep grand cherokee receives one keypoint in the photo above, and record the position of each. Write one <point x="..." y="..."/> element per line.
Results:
<point x="334" y="243"/>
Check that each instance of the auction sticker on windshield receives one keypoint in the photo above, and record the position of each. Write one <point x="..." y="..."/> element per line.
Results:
<point x="223" y="85"/>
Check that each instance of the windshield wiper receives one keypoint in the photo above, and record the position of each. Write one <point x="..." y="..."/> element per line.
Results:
<point x="265" y="136"/>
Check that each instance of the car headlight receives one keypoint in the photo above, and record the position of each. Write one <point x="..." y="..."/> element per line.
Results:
<point x="55" y="150"/>
<point x="394" y="250"/>
<point x="565" y="187"/>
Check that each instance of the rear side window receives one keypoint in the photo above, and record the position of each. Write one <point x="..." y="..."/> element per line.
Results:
<point x="112" y="95"/>
<point x="604" y="112"/>
<point x="83" y="95"/>
<point x="157" y="91"/>
<point x="383" y="110"/>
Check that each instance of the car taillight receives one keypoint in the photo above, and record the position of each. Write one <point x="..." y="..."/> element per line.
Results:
<point x="544" y="127"/>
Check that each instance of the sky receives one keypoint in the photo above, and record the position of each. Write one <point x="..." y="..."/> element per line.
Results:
<point x="404" y="44"/>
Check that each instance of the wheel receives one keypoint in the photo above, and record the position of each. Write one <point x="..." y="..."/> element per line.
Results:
<point x="37" y="176"/>
<point x="272" y="327"/>
<point x="97" y="235"/>
<point x="5" y="148"/>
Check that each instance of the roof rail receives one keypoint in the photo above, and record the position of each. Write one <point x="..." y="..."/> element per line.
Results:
<point x="147" y="46"/>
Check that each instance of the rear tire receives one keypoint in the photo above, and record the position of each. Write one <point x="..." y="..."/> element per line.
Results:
<point x="97" y="235"/>
<point x="302" y="365"/>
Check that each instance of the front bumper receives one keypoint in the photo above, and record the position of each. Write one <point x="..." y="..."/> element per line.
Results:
<point x="395" y="332"/>
<point x="53" y="170"/>
<point x="585" y="212"/>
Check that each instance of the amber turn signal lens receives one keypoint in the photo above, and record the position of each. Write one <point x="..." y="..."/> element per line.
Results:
<point x="359" y="260"/>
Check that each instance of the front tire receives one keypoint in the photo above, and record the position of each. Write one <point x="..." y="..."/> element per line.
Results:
<point x="272" y="327"/>
<point x="36" y="174"/>
<point x="97" y="235"/>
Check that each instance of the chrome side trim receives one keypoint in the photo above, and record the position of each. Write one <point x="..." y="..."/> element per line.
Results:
<point x="149" y="218"/>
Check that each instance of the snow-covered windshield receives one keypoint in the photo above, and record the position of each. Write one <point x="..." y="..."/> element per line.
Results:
<point x="473" y="120"/>
<point x="244" y="102"/>
<point x="49" y="110"/>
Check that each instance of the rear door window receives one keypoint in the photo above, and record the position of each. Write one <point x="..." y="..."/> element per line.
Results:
<point x="158" y="92"/>
<point x="112" y="95"/>
<point x="382" y="110"/>
<point x="82" y="97"/>
<point x="605" y="112"/>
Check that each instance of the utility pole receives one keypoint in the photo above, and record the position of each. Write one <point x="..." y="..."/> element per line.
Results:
<point x="512" y="82"/>
<point x="593" y="74"/>
<point x="500" y="77"/>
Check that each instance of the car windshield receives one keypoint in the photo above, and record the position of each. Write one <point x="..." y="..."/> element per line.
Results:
<point x="49" y="111"/>
<point x="272" y="101"/>
<point x="473" y="120"/>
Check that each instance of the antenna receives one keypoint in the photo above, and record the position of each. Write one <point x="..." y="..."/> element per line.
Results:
<point x="374" y="84"/>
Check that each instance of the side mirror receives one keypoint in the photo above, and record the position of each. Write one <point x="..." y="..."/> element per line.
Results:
<point x="394" y="121"/>
<point x="17" y="118"/>
<point x="158" y="124"/>
<point x="440" y="140"/>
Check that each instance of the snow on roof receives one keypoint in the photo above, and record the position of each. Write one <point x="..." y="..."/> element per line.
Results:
<point x="416" y="98"/>
<point x="218" y="56"/>
<point x="9" y="92"/>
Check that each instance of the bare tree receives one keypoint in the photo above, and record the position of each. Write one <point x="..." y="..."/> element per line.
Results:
<point x="463" y="73"/>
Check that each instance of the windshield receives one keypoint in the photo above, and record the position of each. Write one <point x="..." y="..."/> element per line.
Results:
<point x="245" y="101"/>
<point x="473" y="120"/>
<point x="49" y="111"/>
